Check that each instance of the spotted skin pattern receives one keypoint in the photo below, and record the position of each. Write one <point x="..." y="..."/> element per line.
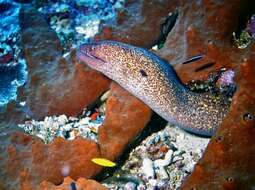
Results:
<point x="155" y="82"/>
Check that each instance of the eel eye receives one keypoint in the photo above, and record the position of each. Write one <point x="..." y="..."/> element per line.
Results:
<point x="143" y="73"/>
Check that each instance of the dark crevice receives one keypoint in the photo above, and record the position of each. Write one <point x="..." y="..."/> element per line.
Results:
<point x="59" y="182"/>
<point x="73" y="186"/>
<point x="248" y="117"/>
<point x="24" y="1"/>
<point x="165" y="28"/>
<point x="93" y="107"/>
<point x="156" y="124"/>
<point x="247" y="10"/>
<point x="205" y="66"/>
<point x="4" y="7"/>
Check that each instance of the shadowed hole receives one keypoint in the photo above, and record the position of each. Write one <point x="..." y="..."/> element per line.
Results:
<point x="165" y="28"/>
<point x="248" y="117"/>
<point x="73" y="186"/>
<point x="247" y="10"/>
<point x="230" y="179"/>
<point x="219" y="139"/>
<point x="150" y="128"/>
<point x="4" y="7"/>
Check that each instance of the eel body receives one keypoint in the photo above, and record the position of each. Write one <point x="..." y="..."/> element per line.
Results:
<point x="155" y="82"/>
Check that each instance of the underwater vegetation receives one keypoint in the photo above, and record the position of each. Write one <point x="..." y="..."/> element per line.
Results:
<point x="58" y="84"/>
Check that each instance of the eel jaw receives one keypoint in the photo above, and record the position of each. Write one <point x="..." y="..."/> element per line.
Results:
<point x="87" y="55"/>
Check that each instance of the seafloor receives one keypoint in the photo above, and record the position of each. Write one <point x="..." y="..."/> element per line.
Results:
<point x="57" y="114"/>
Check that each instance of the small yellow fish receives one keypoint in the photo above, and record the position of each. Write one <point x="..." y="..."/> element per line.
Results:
<point x="94" y="130"/>
<point x="103" y="162"/>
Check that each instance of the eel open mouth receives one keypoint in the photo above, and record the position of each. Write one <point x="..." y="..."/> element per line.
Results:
<point x="87" y="54"/>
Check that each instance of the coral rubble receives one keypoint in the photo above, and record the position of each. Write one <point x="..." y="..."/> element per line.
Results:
<point x="161" y="161"/>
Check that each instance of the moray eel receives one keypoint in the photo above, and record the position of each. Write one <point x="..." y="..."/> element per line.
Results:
<point x="155" y="82"/>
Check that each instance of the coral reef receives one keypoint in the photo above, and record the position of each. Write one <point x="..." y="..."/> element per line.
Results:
<point x="77" y="22"/>
<point x="9" y="28"/>
<point x="143" y="28"/>
<point x="49" y="72"/>
<point x="230" y="150"/>
<point x="72" y="158"/>
<point x="85" y="125"/>
<point x="12" y="77"/>
<point x="58" y="85"/>
<point x="12" y="65"/>
<point x="61" y="126"/>
<point x="125" y="118"/>
<point x="161" y="161"/>
<point x="26" y="161"/>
